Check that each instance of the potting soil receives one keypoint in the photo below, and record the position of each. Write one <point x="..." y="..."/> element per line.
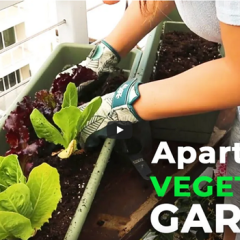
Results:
<point x="180" y="51"/>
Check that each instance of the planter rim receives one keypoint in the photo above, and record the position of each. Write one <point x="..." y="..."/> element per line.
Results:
<point x="86" y="200"/>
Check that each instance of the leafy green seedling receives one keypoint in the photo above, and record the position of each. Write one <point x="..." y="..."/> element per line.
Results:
<point x="70" y="120"/>
<point x="26" y="205"/>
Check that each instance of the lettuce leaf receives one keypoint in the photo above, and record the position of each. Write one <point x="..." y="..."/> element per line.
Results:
<point x="45" y="129"/>
<point x="89" y="112"/>
<point x="79" y="75"/>
<point x="15" y="225"/>
<point x="67" y="120"/>
<point x="70" y="96"/>
<point x="10" y="172"/>
<point x="16" y="198"/>
<point x="45" y="193"/>
<point x="25" y="207"/>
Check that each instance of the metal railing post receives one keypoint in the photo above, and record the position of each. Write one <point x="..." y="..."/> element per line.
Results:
<point x="75" y="13"/>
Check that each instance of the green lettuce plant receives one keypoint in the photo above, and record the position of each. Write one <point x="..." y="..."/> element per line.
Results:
<point x="70" y="120"/>
<point x="26" y="205"/>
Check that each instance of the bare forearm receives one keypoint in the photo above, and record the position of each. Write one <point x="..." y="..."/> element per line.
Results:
<point x="211" y="86"/>
<point x="134" y="25"/>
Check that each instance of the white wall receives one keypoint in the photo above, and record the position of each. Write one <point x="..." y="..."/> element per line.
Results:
<point x="6" y="4"/>
<point x="20" y="31"/>
<point x="10" y="16"/>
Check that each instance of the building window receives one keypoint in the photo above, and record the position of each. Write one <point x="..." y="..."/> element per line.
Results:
<point x="6" y="82"/>
<point x="10" y="80"/>
<point x="7" y="38"/>
<point x="14" y="78"/>
<point x="12" y="35"/>
<point x="1" y="41"/>
<point x="1" y="85"/>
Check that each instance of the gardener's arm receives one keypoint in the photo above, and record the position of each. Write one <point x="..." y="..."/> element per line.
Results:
<point x="135" y="24"/>
<point x="211" y="86"/>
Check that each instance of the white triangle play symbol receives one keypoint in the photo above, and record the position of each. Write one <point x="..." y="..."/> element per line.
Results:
<point x="119" y="130"/>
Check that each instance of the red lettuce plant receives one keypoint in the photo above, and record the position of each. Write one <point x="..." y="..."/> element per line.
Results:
<point x="20" y="134"/>
<point x="79" y="75"/>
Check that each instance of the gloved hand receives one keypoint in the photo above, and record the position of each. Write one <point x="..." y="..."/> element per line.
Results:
<point x="102" y="59"/>
<point x="116" y="106"/>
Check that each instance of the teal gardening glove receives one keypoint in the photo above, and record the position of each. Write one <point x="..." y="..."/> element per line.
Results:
<point x="116" y="106"/>
<point x="103" y="58"/>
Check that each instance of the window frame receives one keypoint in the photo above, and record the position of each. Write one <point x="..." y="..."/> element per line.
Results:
<point x="6" y="80"/>
<point x="3" y="40"/>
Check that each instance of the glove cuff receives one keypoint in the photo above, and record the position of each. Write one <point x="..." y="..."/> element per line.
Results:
<point x="126" y="95"/>
<point x="112" y="49"/>
<point x="104" y="49"/>
<point x="102" y="58"/>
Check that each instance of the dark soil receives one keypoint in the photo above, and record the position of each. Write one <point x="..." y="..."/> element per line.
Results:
<point x="181" y="51"/>
<point x="102" y="87"/>
<point x="74" y="175"/>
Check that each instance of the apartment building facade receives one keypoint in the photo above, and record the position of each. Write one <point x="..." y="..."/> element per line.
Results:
<point x="19" y="59"/>
<point x="21" y="55"/>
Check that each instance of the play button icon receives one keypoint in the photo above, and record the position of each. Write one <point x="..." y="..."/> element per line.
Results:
<point x="119" y="130"/>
